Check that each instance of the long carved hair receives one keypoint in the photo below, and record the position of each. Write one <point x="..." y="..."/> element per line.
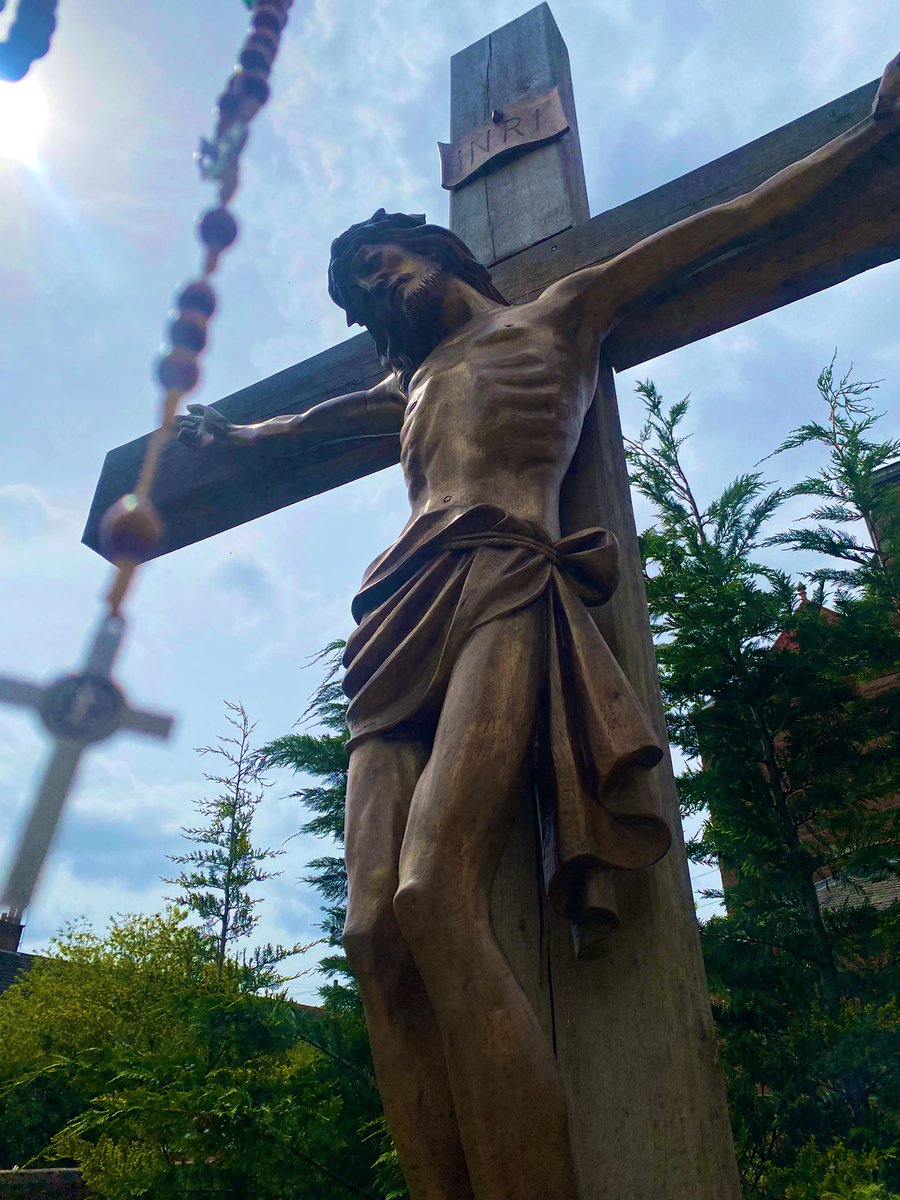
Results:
<point x="401" y="346"/>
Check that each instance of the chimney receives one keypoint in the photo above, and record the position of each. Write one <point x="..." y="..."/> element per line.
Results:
<point x="10" y="931"/>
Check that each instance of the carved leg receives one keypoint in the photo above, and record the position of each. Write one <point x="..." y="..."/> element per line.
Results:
<point x="406" y="1042"/>
<point x="506" y="1088"/>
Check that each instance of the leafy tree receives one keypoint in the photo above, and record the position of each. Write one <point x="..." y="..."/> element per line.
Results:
<point x="226" y="864"/>
<point x="323" y="755"/>
<point x="173" y="1078"/>
<point x="799" y="759"/>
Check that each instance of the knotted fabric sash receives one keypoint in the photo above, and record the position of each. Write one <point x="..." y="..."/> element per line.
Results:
<point x="450" y="573"/>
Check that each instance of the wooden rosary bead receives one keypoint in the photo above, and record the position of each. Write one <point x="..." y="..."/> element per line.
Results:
<point x="188" y="332"/>
<point x="267" y="36"/>
<point x="131" y="531"/>
<point x="197" y="297"/>
<point x="256" y="56"/>
<point x="218" y="229"/>
<point x="269" y="16"/>
<point x="28" y="38"/>
<point x="252" y="85"/>
<point x="178" y="370"/>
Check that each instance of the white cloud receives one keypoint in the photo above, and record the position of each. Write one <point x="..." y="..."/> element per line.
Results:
<point x="112" y="792"/>
<point x="841" y="37"/>
<point x="637" y="78"/>
<point x="27" y="512"/>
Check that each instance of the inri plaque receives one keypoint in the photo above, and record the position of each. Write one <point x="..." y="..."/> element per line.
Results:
<point x="525" y="123"/>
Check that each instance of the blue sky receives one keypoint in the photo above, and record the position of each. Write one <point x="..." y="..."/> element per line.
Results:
<point x="97" y="234"/>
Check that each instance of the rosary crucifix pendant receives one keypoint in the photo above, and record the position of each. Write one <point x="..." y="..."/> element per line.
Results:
<point x="76" y="710"/>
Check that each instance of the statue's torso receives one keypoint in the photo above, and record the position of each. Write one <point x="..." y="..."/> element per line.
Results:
<point x="495" y="414"/>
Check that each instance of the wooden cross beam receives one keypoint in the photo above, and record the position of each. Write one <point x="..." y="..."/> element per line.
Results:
<point x="853" y="226"/>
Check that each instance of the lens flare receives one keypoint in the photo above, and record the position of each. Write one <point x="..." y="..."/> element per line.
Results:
<point x="23" y="117"/>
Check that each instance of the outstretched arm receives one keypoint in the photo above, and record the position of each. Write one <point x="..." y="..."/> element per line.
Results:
<point x="605" y="292"/>
<point x="373" y="413"/>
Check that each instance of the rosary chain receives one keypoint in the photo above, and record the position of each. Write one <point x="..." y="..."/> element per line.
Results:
<point x="132" y="531"/>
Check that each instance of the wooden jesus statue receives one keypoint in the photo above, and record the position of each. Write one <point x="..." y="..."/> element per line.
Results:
<point x="475" y="662"/>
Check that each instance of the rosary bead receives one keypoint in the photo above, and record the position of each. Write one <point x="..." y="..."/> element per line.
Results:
<point x="227" y="108"/>
<point x="178" y="370"/>
<point x="130" y="531"/>
<point x="269" y="16"/>
<point x="252" y="85"/>
<point x="267" y="36"/>
<point x="27" y="39"/>
<point x="188" y="333"/>
<point x="218" y="229"/>
<point x="258" y="53"/>
<point x="197" y="297"/>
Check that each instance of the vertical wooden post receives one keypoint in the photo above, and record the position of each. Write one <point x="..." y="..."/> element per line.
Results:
<point x="632" y="1031"/>
<point x="511" y="206"/>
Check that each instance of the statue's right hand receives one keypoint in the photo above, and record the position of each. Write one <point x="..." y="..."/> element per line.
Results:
<point x="202" y="426"/>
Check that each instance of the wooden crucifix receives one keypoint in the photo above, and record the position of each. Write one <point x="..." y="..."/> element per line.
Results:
<point x="629" y="1023"/>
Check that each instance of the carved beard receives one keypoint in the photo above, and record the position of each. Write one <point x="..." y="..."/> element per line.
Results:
<point x="412" y="328"/>
<point x="422" y="304"/>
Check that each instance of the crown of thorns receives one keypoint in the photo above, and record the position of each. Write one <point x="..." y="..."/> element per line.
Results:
<point x="407" y="229"/>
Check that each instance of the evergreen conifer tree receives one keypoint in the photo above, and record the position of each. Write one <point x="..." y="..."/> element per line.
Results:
<point x="217" y="876"/>
<point x="858" y="522"/>
<point x="795" y="762"/>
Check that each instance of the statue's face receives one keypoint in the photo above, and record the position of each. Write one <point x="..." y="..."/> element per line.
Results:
<point x="399" y="283"/>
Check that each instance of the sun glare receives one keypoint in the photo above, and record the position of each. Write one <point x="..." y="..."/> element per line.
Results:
<point x="23" y="115"/>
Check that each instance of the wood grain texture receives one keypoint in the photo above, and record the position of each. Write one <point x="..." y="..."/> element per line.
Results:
<point x="516" y="204"/>
<point x="716" y="182"/>
<point x="543" y="190"/>
<point x="634" y="1032"/>
<point x="852" y="227"/>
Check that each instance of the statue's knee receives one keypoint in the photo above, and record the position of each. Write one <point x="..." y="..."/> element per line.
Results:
<point x="371" y="942"/>
<point x="418" y="907"/>
<point x="365" y="945"/>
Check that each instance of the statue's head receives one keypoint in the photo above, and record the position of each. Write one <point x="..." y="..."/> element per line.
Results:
<point x="390" y="273"/>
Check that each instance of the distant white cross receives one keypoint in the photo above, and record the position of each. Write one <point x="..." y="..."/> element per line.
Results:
<point x="76" y="710"/>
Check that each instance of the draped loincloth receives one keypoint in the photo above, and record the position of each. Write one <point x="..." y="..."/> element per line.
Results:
<point x="448" y="574"/>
